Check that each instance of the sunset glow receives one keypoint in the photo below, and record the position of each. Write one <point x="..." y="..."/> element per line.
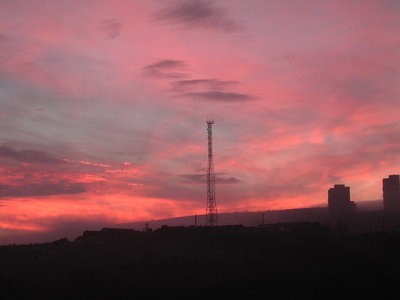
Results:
<point x="103" y="107"/>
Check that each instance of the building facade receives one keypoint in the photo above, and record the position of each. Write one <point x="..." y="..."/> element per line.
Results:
<point x="391" y="194"/>
<point x="341" y="208"/>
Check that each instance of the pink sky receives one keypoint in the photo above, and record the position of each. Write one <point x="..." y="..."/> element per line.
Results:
<point x="104" y="103"/>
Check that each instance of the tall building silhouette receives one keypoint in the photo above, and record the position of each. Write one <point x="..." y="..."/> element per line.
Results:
<point x="391" y="194"/>
<point x="341" y="208"/>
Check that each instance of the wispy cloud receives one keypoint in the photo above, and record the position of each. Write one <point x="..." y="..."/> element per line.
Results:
<point x="41" y="189"/>
<point x="110" y="27"/>
<point x="198" y="14"/>
<point x="166" y="68"/>
<point x="202" y="179"/>
<point x="8" y="48"/>
<point x="208" y="89"/>
<point x="309" y="101"/>
<point x="228" y="97"/>
<point x="30" y="156"/>
<point x="194" y="84"/>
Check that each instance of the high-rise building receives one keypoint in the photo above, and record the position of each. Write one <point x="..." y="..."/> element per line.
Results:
<point x="391" y="194"/>
<point x="341" y="208"/>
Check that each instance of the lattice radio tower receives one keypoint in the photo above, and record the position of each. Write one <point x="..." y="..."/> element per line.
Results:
<point x="211" y="210"/>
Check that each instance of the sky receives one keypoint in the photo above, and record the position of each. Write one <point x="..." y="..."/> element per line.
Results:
<point x="103" y="107"/>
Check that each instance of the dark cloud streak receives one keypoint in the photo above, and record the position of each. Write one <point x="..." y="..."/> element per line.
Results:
<point x="202" y="179"/>
<point x="203" y="89"/>
<point x="166" y="68"/>
<point x="184" y="85"/>
<point x="41" y="189"/>
<point x="228" y="97"/>
<point x="200" y="14"/>
<point x="30" y="156"/>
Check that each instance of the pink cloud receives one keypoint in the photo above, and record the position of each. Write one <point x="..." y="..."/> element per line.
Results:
<point x="103" y="106"/>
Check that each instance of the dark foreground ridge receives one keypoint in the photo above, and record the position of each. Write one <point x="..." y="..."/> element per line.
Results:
<point x="277" y="261"/>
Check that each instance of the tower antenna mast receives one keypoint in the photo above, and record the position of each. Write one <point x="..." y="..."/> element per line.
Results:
<point x="211" y="210"/>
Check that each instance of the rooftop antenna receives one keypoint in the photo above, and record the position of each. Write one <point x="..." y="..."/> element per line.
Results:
<point x="211" y="210"/>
